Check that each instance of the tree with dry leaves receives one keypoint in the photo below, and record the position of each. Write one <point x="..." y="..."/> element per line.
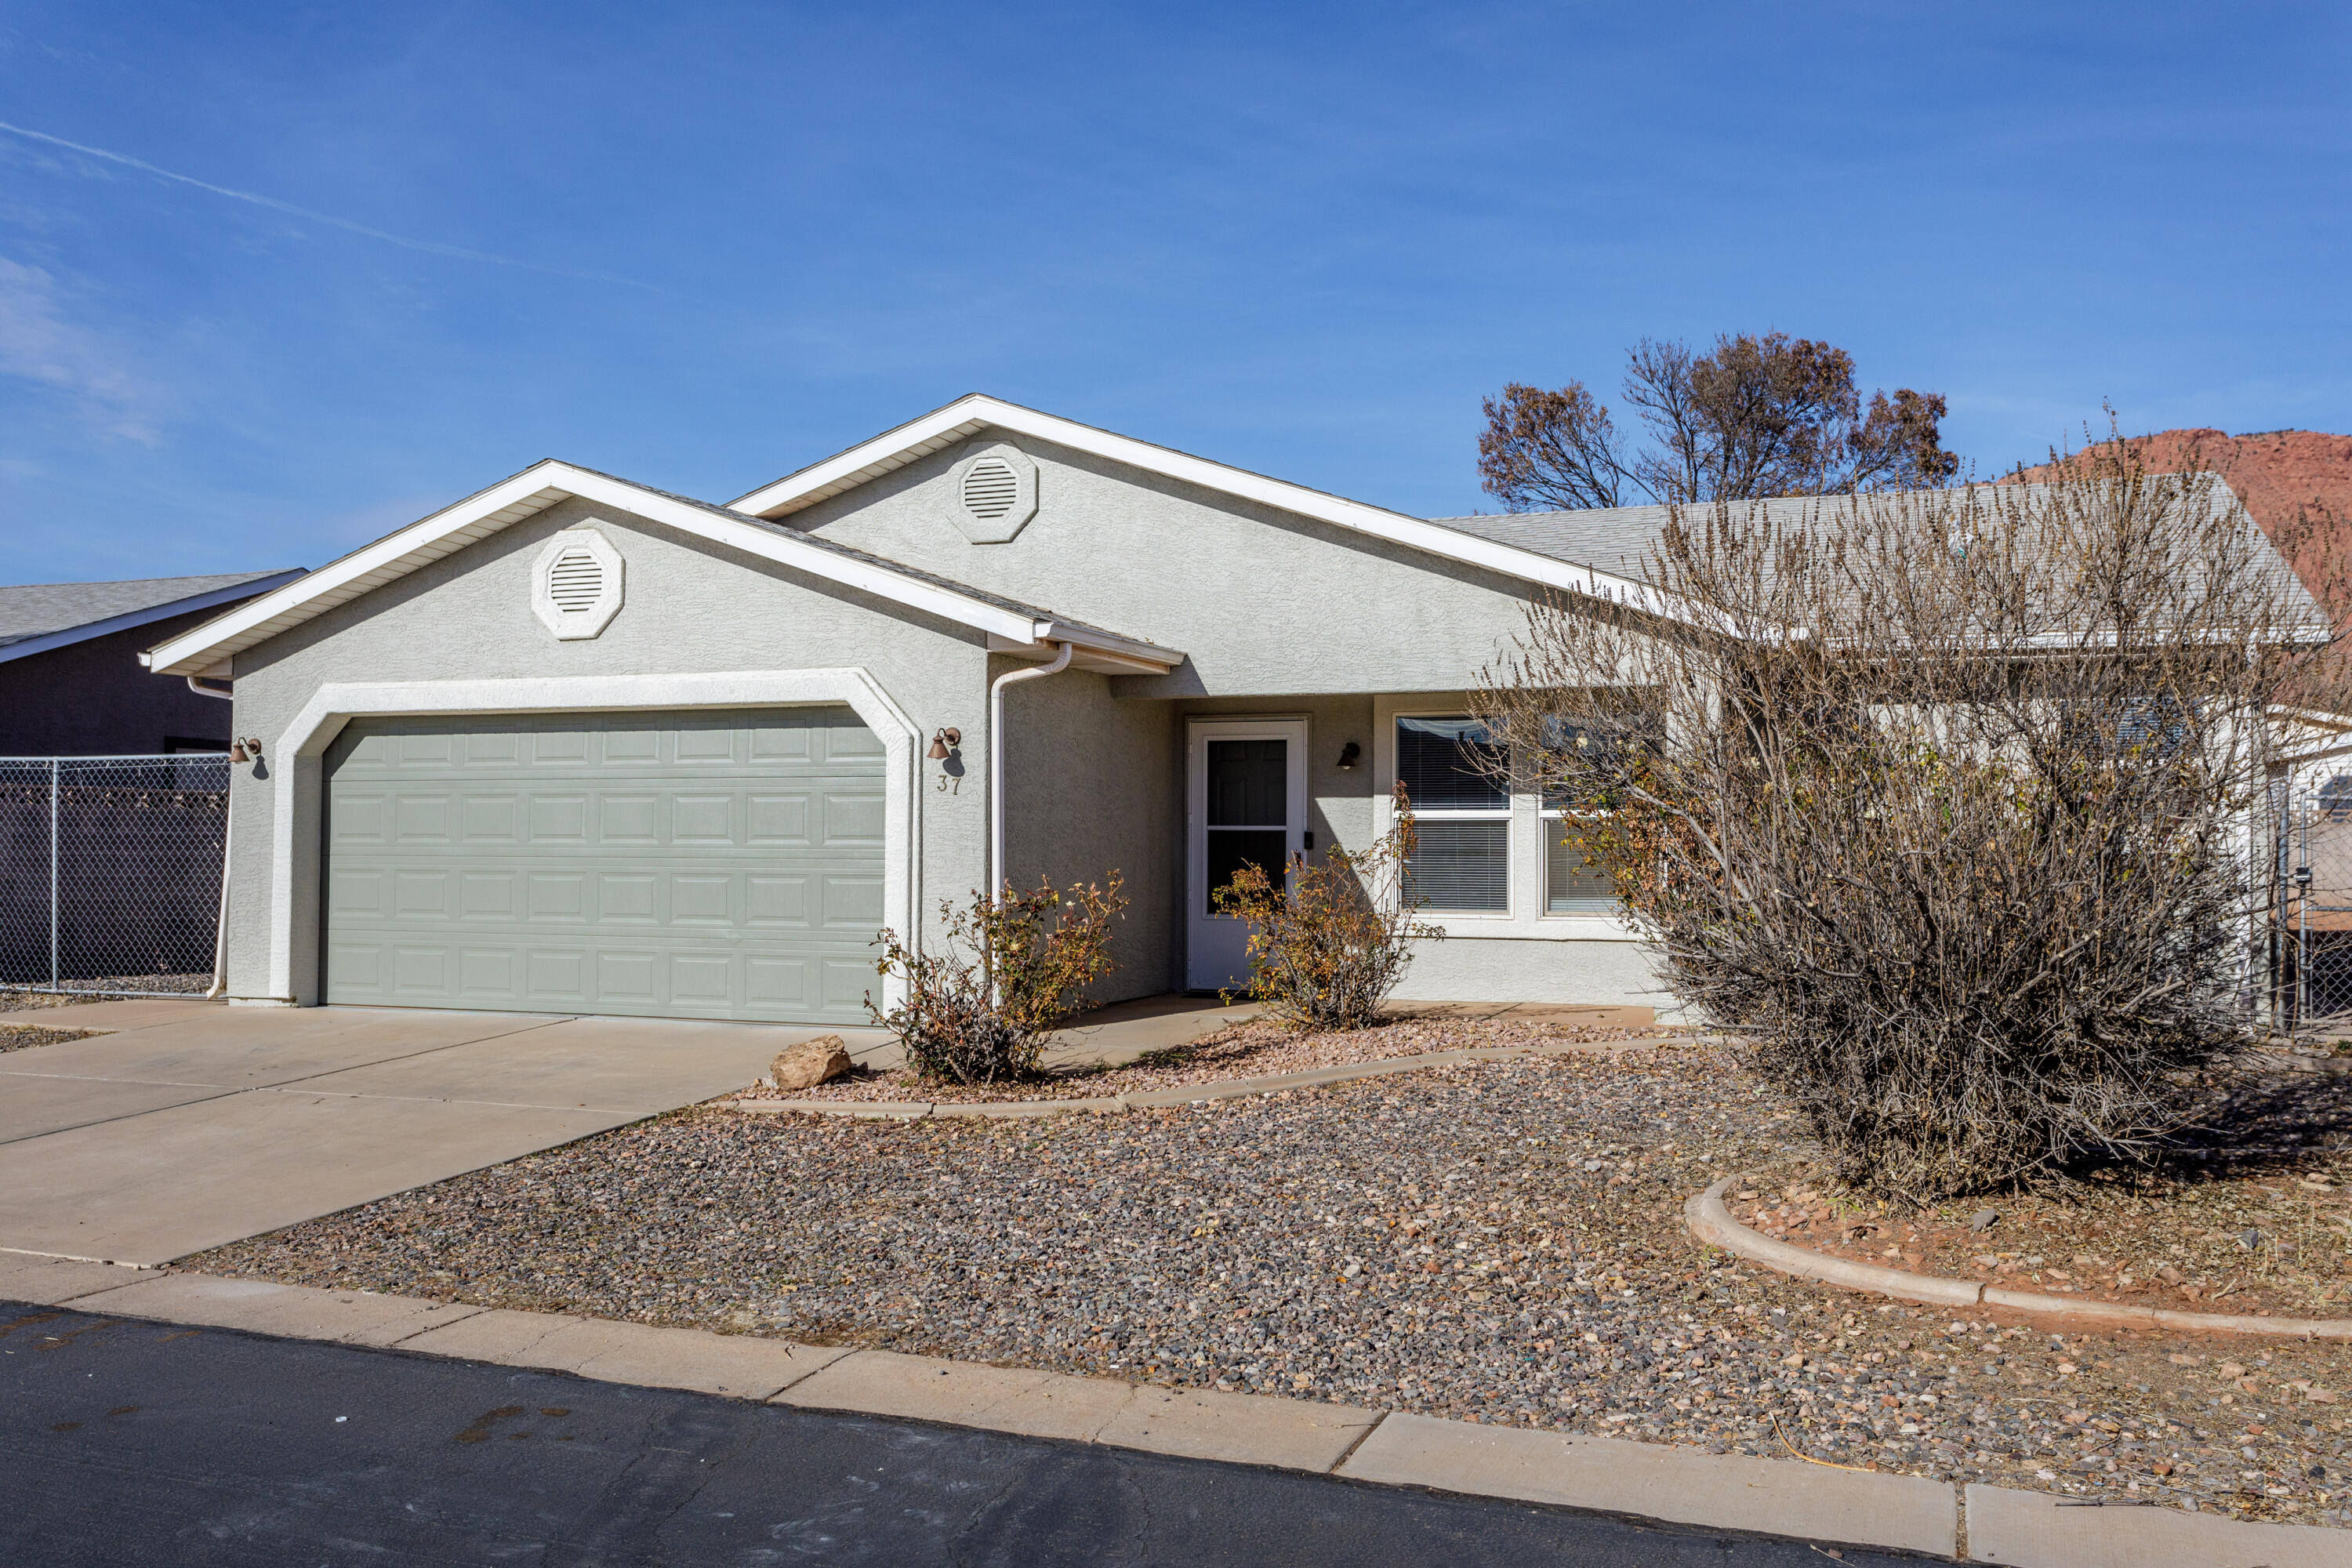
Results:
<point x="1947" y="803"/>
<point x="1768" y="415"/>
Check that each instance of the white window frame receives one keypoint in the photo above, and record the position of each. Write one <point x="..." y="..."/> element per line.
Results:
<point x="1524" y="873"/>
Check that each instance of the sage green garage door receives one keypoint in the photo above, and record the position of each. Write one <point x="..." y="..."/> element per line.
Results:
<point x="671" y="865"/>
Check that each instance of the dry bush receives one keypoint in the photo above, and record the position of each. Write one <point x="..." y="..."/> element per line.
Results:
<point x="1329" y="942"/>
<point x="1008" y="973"/>
<point x="1949" y="801"/>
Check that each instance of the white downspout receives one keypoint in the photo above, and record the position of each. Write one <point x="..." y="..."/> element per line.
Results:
<point x="996" y="761"/>
<point x="228" y="831"/>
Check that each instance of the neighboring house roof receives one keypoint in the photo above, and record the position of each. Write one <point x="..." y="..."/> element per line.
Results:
<point x="970" y="414"/>
<point x="1010" y="624"/>
<point x="37" y="616"/>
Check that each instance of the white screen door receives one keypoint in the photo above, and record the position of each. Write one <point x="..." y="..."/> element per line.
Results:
<point x="1247" y="804"/>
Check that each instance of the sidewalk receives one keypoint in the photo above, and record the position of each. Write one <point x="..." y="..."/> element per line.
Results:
<point x="1825" y="1504"/>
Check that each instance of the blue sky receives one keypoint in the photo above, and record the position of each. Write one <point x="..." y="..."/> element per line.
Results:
<point x="699" y="245"/>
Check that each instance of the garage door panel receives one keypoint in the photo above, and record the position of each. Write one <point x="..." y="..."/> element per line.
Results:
<point x="487" y="821"/>
<point x="681" y="865"/>
<point x="629" y="820"/>
<point x="853" y="903"/>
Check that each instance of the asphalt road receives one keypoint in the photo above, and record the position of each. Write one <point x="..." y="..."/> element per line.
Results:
<point x="140" y="1443"/>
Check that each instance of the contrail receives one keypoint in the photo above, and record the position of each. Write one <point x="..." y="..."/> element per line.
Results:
<point x="431" y="246"/>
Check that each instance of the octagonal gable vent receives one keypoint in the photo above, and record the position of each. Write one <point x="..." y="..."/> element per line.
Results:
<point x="990" y="488"/>
<point x="575" y="584"/>
<point x="995" y="492"/>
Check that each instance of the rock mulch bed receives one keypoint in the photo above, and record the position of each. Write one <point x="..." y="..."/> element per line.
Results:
<point x="30" y="1000"/>
<point x="1500" y="1242"/>
<point x="1243" y="1050"/>
<point x="2251" y="1212"/>
<point x="25" y="1036"/>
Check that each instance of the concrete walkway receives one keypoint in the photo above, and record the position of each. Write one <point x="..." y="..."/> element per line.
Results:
<point x="1837" y="1506"/>
<point x="1118" y="1033"/>
<point x="191" y="1124"/>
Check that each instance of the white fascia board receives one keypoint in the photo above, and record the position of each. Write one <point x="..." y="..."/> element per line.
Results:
<point x="528" y="492"/>
<point x="132" y="619"/>
<point x="369" y="566"/>
<point x="1095" y="650"/>
<point x="943" y="426"/>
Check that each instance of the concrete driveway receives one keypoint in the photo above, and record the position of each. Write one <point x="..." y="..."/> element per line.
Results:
<point x="189" y="1124"/>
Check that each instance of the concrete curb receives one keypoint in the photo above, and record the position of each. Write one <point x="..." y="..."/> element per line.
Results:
<point x="1186" y="1094"/>
<point x="1613" y="1476"/>
<point x="1711" y="1220"/>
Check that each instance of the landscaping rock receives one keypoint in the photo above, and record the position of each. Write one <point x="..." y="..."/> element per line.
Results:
<point x="1500" y="1241"/>
<point x="810" y="1063"/>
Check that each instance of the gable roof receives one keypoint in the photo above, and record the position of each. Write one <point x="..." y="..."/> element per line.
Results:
<point x="970" y="414"/>
<point x="1619" y="538"/>
<point x="37" y="616"/>
<point x="1008" y="621"/>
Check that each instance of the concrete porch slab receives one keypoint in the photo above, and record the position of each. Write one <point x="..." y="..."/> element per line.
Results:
<point x="151" y="1188"/>
<point x="250" y="1048"/>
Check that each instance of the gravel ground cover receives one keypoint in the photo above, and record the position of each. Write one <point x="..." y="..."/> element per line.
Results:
<point x="24" y="1037"/>
<point x="27" y="1001"/>
<point x="1499" y="1242"/>
<point x="1244" y="1051"/>
<point x="2252" y="1213"/>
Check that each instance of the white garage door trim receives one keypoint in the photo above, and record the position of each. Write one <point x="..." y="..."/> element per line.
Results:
<point x="295" y="856"/>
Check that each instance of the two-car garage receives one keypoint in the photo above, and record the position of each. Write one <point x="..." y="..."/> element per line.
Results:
<point x="723" y="863"/>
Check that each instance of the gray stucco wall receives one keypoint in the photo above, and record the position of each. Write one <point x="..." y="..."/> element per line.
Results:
<point x="689" y="606"/>
<point x="1095" y="784"/>
<point x="1263" y="601"/>
<point x="95" y="699"/>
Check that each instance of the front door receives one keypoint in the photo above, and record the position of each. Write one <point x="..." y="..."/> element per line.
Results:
<point x="1247" y="805"/>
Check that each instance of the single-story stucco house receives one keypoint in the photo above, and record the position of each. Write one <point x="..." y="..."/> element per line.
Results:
<point x="573" y="745"/>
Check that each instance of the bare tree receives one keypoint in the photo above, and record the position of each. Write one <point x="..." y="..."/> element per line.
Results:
<point x="1946" y="801"/>
<point x="1767" y="415"/>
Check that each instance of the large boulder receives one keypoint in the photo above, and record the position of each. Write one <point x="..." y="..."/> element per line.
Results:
<point x="810" y="1063"/>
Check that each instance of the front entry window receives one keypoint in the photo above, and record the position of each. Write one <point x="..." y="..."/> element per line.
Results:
<point x="1248" y="811"/>
<point x="1461" y="817"/>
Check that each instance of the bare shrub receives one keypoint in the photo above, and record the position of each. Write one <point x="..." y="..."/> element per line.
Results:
<point x="1008" y="973"/>
<point x="1948" y="800"/>
<point x="1330" y="941"/>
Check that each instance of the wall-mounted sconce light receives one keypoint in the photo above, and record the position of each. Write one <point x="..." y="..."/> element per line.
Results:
<point x="244" y="750"/>
<point x="1348" y="755"/>
<point x="943" y="742"/>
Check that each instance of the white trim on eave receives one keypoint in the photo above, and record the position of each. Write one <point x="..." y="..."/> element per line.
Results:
<point x="967" y="415"/>
<point x="542" y="484"/>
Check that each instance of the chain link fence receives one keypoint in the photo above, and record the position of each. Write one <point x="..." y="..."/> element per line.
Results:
<point x="2314" y="902"/>
<point x="110" y="872"/>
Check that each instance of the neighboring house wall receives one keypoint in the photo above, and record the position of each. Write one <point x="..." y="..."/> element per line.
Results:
<point x="95" y="699"/>
<point x="689" y="608"/>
